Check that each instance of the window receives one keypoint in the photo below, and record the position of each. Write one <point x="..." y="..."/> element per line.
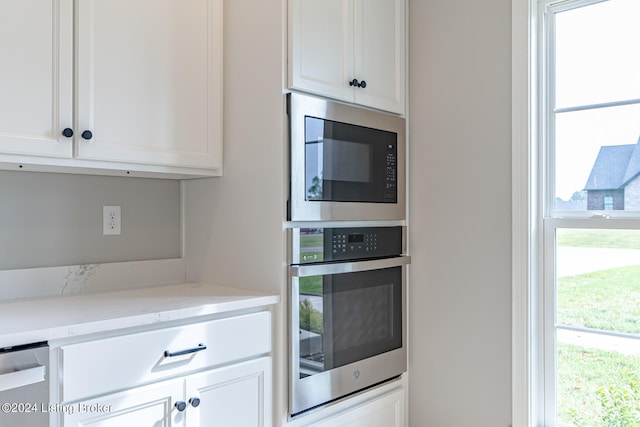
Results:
<point x="588" y="146"/>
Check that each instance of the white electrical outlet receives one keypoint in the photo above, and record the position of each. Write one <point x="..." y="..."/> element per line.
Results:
<point x="111" y="220"/>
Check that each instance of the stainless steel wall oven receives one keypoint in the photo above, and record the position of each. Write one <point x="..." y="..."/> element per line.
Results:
<point x="347" y="311"/>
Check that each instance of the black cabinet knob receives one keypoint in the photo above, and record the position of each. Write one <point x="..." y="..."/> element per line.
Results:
<point x="87" y="135"/>
<point x="195" y="402"/>
<point x="356" y="83"/>
<point x="180" y="405"/>
<point x="68" y="132"/>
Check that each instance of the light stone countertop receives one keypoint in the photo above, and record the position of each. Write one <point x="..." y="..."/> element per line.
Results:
<point x="50" y="318"/>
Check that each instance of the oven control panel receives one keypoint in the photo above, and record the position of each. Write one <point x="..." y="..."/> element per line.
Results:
<point x="345" y="244"/>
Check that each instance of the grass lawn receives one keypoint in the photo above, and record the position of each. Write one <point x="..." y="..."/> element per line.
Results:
<point x="596" y="387"/>
<point x="587" y="238"/>
<point x="607" y="299"/>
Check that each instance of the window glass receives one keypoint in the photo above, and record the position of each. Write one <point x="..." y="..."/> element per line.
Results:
<point x="590" y="275"/>
<point x="596" y="147"/>
<point x="597" y="327"/>
<point x="590" y="50"/>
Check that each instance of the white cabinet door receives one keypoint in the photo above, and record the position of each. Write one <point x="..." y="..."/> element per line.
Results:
<point x="238" y="395"/>
<point x="321" y="55"/>
<point x="235" y="396"/>
<point x="151" y="406"/>
<point x="36" y="48"/>
<point x="380" y="60"/>
<point x="149" y="81"/>
<point x="384" y="411"/>
<point x="333" y="42"/>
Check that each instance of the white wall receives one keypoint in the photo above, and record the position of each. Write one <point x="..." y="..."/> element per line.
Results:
<point x="460" y="216"/>
<point x="234" y="231"/>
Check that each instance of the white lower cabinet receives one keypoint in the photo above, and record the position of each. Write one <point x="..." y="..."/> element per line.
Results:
<point x="234" y="396"/>
<point x="384" y="411"/>
<point x="151" y="406"/>
<point x="383" y="407"/>
<point x="209" y="373"/>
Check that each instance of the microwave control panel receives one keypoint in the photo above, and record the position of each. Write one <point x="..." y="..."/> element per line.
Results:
<point x="345" y="244"/>
<point x="390" y="191"/>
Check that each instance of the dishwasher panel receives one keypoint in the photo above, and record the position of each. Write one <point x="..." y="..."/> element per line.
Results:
<point x="24" y="385"/>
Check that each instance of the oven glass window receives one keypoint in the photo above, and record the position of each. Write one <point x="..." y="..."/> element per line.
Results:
<point x="349" y="163"/>
<point x="348" y="317"/>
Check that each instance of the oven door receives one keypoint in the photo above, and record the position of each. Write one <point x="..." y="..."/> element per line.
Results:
<point x="347" y="328"/>
<point x="347" y="163"/>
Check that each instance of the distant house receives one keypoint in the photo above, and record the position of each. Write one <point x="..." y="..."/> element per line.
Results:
<point x="614" y="182"/>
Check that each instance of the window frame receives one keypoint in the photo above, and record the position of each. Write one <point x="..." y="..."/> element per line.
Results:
<point x="534" y="218"/>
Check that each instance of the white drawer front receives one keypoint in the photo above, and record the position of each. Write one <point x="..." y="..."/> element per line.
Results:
<point x="105" y="365"/>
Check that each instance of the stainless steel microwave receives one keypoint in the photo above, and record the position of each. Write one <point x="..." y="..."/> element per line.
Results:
<point x="347" y="162"/>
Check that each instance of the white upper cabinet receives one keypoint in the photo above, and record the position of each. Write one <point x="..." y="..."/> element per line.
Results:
<point x="351" y="50"/>
<point x="145" y="95"/>
<point x="36" y="47"/>
<point x="145" y="83"/>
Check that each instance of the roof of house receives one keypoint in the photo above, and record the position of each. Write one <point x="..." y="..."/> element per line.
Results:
<point x="614" y="167"/>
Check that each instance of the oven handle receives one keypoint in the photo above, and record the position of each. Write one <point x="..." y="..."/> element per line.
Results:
<point x="347" y="267"/>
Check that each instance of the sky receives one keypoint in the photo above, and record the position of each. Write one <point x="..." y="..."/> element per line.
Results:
<point x="597" y="60"/>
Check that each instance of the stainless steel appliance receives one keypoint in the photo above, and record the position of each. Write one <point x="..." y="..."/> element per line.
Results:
<point x="347" y="162"/>
<point x="347" y="311"/>
<point x="24" y="385"/>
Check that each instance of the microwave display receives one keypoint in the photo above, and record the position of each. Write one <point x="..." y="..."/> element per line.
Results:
<point x="349" y="163"/>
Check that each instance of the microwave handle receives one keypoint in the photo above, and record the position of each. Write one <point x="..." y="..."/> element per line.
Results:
<point x="347" y="267"/>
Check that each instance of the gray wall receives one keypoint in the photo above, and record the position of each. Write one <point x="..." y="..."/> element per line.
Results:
<point x="51" y="219"/>
<point x="460" y="197"/>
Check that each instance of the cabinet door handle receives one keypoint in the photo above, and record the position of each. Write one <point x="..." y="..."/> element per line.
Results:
<point x="87" y="135"/>
<point x="363" y="84"/>
<point x="68" y="132"/>
<point x="180" y="405"/>
<point x="200" y="347"/>
<point x="194" y="401"/>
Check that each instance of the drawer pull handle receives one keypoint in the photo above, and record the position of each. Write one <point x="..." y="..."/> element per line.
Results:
<point x="200" y="347"/>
